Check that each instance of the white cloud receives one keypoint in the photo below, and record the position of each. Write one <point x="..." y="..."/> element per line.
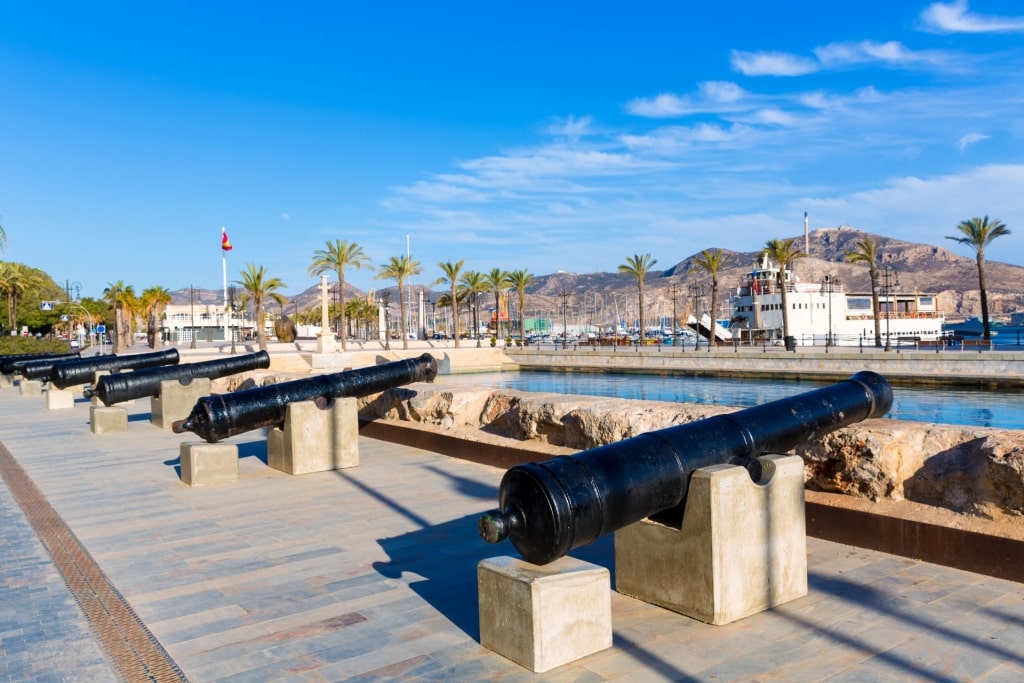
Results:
<point x="285" y="216"/>
<point x="665" y="105"/>
<point x="893" y="53"/>
<point x="572" y="127"/>
<point x="969" y="139"/>
<point x="721" y="91"/>
<point x="772" y="64"/>
<point x="954" y="17"/>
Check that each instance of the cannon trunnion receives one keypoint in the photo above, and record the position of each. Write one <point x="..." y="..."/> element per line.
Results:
<point x="549" y="508"/>
<point x="126" y="386"/>
<point x="221" y="416"/>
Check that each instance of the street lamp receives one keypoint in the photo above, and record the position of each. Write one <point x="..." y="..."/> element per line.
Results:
<point x="697" y="291"/>
<point x="565" y="332"/>
<point x="890" y="283"/>
<point x="828" y="286"/>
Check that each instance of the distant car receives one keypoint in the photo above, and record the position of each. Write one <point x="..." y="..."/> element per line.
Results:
<point x="75" y="343"/>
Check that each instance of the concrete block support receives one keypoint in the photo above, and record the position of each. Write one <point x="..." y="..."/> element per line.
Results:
<point x="30" y="387"/>
<point x="104" y="420"/>
<point x="208" y="463"/>
<point x="6" y="381"/>
<point x="544" y="616"/>
<point x="315" y="440"/>
<point x="176" y="400"/>
<point x="59" y="399"/>
<point x="742" y="548"/>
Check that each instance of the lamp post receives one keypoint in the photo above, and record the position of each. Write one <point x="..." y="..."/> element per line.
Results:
<point x="697" y="291"/>
<point x="565" y="331"/>
<point x="890" y="283"/>
<point x="828" y="286"/>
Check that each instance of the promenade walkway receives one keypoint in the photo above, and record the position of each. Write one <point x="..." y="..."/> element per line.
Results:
<point x="369" y="574"/>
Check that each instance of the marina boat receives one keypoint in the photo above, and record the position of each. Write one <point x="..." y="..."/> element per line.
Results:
<point x="823" y="313"/>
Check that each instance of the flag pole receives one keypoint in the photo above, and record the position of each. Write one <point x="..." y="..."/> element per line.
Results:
<point x="224" y="270"/>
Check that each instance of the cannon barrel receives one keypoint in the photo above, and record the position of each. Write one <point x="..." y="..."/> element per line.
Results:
<point x="40" y="368"/>
<point x="221" y="416"/>
<point x="71" y="372"/>
<point x="549" y="508"/>
<point x="126" y="386"/>
<point x="12" y="363"/>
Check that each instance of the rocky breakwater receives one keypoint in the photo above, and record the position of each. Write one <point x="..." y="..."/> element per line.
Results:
<point x="972" y="471"/>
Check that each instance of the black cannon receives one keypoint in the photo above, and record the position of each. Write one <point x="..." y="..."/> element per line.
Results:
<point x="218" y="417"/>
<point x="72" y="372"/>
<point x="125" y="386"/>
<point x="40" y="368"/>
<point x="549" y="508"/>
<point x="11" y="363"/>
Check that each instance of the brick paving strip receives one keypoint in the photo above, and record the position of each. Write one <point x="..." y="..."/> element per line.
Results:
<point x="130" y="646"/>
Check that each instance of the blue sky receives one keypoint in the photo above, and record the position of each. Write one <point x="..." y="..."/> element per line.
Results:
<point x="537" y="135"/>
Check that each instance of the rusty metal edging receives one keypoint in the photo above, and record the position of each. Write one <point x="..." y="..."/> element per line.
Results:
<point x="132" y="650"/>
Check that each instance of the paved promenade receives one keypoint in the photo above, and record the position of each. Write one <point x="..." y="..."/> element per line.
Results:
<point x="369" y="574"/>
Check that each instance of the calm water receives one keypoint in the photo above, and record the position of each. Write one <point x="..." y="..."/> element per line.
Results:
<point x="1002" y="409"/>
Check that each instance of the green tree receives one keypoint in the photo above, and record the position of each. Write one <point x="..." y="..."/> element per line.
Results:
<point x="784" y="253"/>
<point x="865" y="250"/>
<point x="400" y="269"/>
<point x="121" y="299"/>
<point x="520" y="280"/>
<point x="16" y="279"/>
<point x="450" y="276"/>
<point x="153" y="301"/>
<point x="638" y="266"/>
<point x="497" y="280"/>
<point x="259" y="287"/>
<point x="339" y="256"/>
<point x="978" y="233"/>
<point x="3" y="238"/>
<point x="471" y="284"/>
<point x="712" y="262"/>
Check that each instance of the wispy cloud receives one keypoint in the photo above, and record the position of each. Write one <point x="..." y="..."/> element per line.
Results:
<point x="954" y="17"/>
<point x="969" y="139"/>
<point x="772" y="64"/>
<point x="839" y="56"/>
<point x="711" y="97"/>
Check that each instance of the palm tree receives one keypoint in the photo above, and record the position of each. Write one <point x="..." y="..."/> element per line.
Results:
<point x="153" y="301"/>
<point x="711" y="261"/>
<point x="638" y="266"/>
<point x="472" y="284"/>
<point x="520" y="280"/>
<point x="784" y="253"/>
<point x="258" y="288"/>
<point x="3" y="238"/>
<point x="400" y="269"/>
<point x="15" y="280"/>
<point x="450" y="277"/>
<point x="978" y="233"/>
<point x="339" y="255"/>
<point x="496" y="281"/>
<point x="121" y="298"/>
<point x="866" y="251"/>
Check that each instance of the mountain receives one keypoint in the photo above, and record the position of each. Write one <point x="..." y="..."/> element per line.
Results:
<point x="596" y="296"/>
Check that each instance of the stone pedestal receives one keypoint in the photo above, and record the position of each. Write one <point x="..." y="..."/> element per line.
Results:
<point x="208" y="463"/>
<point x="6" y="381"/>
<point x="104" y="420"/>
<point x="742" y="548"/>
<point x="59" y="399"/>
<point x="30" y="387"/>
<point x="544" y="616"/>
<point x="315" y="440"/>
<point x="326" y="343"/>
<point x="176" y="400"/>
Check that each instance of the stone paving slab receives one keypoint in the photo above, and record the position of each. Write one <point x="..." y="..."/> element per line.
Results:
<point x="369" y="574"/>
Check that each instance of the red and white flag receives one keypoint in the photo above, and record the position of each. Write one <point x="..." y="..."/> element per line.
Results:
<point x="225" y="244"/>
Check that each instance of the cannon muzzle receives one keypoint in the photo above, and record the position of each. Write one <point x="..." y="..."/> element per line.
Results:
<point x="221" y="416"/>
<point x="549" y="508"/>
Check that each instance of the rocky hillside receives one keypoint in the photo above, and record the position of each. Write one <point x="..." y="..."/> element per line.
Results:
<point x="594" y="296"/>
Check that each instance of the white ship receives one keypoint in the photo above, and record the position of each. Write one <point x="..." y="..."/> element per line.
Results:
<point x="824" y="314"/>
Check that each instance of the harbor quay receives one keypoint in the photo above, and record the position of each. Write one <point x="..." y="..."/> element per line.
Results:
<point x="370" y="573"/>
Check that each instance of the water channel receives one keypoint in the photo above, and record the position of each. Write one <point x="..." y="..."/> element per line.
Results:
<point x="953" y="405"/>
